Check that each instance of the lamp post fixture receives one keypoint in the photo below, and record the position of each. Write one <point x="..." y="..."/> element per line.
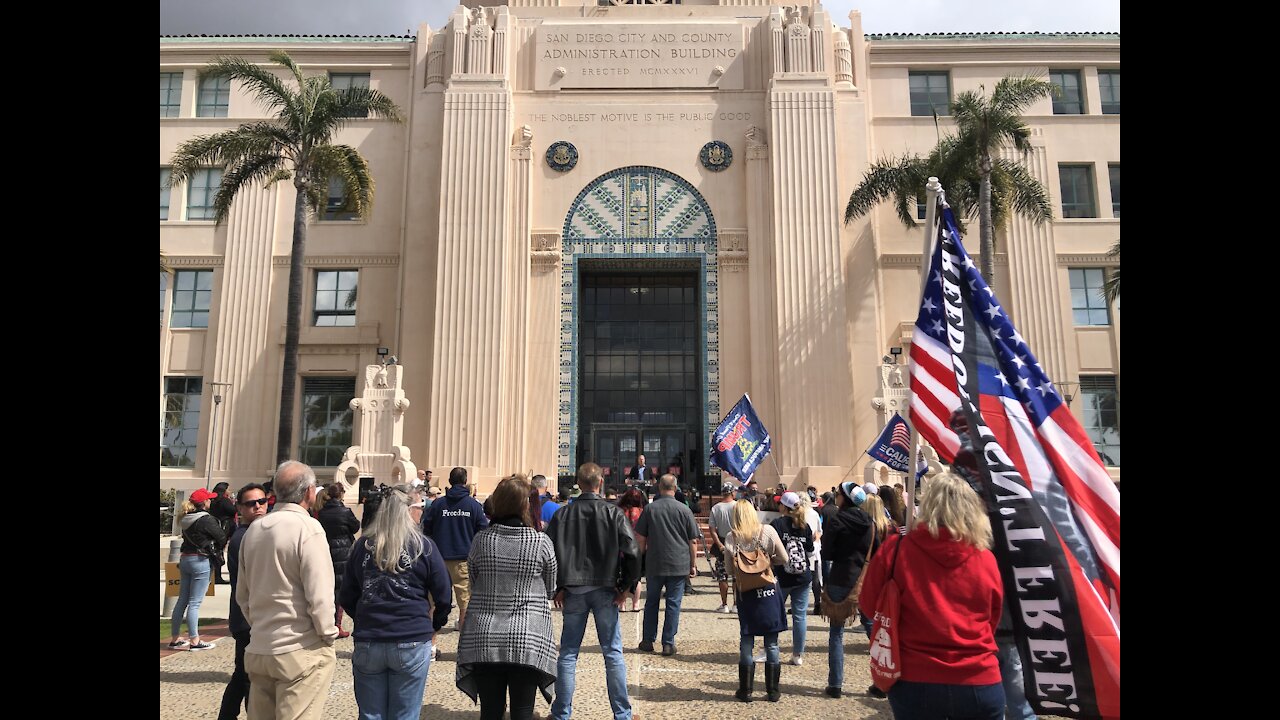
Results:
<point x="213" y="435"/>
<point x="1068" y="390"/>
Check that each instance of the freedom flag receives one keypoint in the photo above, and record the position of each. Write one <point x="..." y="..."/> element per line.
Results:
<point x="893" y="447"/>
<point x="740" y="442"/>
<point x="1054" y="510"/>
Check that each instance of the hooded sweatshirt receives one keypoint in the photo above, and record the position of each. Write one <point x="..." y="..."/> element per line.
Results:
<point x="950" y="603"/>
<point x="846" y="539"/>
<point x="453" y="521"/>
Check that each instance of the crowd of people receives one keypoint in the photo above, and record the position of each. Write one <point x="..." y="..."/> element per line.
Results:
<point x="420" y="553"/>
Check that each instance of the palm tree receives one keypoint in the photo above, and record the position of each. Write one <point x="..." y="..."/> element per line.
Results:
<point x="977" y="184"/>
<point x="296" y="144"/>
<point x="1111" y="287"/>
<point x="986" y="124"/>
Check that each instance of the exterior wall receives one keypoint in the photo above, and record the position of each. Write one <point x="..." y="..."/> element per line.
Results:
<point x="461" y="261"/>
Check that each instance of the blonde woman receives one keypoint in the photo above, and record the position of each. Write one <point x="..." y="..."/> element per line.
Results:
<point x="874" y="508"/>
<point x="951" y="597"/>
<point x="760" y="611"/>
<point x="202" y="543"/>
<point x="795" y="576"/>
<point x="389" y="575"/>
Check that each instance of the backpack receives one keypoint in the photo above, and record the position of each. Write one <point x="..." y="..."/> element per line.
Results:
<point x="752" y="568"/>
<point x="797" y="558"/>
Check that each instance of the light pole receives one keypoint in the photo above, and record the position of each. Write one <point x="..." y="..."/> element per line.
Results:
<point x="213" y="435"/>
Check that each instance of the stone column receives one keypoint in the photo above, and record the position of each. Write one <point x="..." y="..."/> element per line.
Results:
<point x="844" y="61"/>
<point x="245" y="342"/>
<point x="760" y="275"/>
<point x="1033" y="274"/>
<point x="515" y="355"/>
<point x="467" y="380"/>
<point x="814" y="384"/>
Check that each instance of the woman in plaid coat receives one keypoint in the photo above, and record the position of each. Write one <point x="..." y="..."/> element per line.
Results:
<point x="507" y="642"/>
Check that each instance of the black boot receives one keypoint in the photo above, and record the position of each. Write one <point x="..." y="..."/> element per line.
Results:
<point x="772" y="674"/>
<point x="746" y="681"/>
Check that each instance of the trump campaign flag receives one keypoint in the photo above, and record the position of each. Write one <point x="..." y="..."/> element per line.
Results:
<point x="893" y="447"/>
<point x="985" y="403"/>
<point x="740" y="442"/>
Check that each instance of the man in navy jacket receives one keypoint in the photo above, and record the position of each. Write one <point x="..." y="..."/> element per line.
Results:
<point x="453" y="521"/>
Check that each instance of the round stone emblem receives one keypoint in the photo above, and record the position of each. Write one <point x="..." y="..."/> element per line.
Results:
<point x="562" y="156"/>
<point x="716" y="156"/>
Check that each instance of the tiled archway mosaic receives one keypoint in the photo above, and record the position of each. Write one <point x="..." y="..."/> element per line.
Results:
<point x="645" y="213"/>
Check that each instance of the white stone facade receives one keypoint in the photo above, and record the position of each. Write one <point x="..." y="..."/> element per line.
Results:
<point x="754" y="121"/>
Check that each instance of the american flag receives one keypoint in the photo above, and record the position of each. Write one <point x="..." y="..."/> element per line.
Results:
<point x="1055" y="511"/>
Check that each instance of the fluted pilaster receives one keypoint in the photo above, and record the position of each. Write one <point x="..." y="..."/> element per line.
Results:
<point x="1033" y="275"/>
<point x="243" y="337"/>
<point x="479" y="54"/>
<point x="501" y="40"/>
<point x="467" y="380"/>
<point x="458" y="45"/>
<point x="819" y="29"/>
<point x="799" y="58"/>
<point x="777" y="41"/>
<point x="814" y="383"/>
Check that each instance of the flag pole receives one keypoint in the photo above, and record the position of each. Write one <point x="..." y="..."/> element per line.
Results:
<point x="932" y="190"/>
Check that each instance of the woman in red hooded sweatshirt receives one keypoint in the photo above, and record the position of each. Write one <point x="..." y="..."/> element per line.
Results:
<point x="950" y="604"/>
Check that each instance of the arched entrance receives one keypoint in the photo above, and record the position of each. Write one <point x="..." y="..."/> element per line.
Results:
<point x="639" y="324"/>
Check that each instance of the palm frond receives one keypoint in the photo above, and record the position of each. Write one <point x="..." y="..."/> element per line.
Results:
<point x="259" y="168"/>
<point x="901" y="180"/>
<point x="1111" y="286"/>
<point x="267" y="89"/>
<point x="345" y="162"/>
<point x="1014" y="94"/>
<point x="1020" y="193"/>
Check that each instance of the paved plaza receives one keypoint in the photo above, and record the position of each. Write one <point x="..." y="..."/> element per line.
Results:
<point x="698" y="682"/>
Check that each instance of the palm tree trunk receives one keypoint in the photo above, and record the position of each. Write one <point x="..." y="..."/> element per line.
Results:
<point x="987" y="241"/>
<point x="292" y="327"/>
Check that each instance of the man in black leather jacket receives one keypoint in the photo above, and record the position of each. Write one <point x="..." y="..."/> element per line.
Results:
<point x="597" y="559"/>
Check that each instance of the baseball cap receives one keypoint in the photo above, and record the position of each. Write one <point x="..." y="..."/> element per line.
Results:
<point x="200" y="495"/>
<point x="854" y="492"/>
<point x="790" y="499"/>
<point x="871" y="488"/>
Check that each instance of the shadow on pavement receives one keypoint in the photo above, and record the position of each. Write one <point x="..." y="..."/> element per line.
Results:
<point x="195" y="677"/>
<point x="438" y="712"/>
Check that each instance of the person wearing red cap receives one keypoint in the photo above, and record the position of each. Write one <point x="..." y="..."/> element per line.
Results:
<point x="202" y="543"/>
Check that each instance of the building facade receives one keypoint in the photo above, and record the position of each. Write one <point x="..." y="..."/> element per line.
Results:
<point x="600" y="225"/>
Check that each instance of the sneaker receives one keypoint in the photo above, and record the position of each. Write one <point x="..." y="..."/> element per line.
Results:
<point x="797" y="660"/>
<point x="178" y="644"/>
<point x="668" y="649"/>
<point x="833" y="692"/>
<point x="723" y="610"/>
<point x="435" y="652"/>
<point x="202" y="646"/>
<point x="876" y="692"/>
<point x="646" y="645"/>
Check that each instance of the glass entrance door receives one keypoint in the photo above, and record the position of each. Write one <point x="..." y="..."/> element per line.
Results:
<point x="639" y="380"/>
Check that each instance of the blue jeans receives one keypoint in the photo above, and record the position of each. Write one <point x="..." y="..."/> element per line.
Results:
<point x="389" y="678"/>
<point x="935" y="701"/>
<point x="1016" y="706"/>
<point x="771" y="652"/>
<point x="600" y="604"/>
<point x="835" y="641"/>
<point x="194" y="584"/>
<point x="799" y="616"/>
<point x="674" y="595"/>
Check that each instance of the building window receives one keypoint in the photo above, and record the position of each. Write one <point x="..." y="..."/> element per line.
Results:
<point x="202" y="186"/>
<point x="1088" y="304"/>
<point x="164" y="287"/>
<point x="170" y="94"/>
<point x="326" y="420"/>
<point x="336" y="298"/>
<point x="191" y="292"/>
<point x="181" y="421"/>
<point x="1109" y="91"/>
<point x="1113" y="171"/>
<point x="1068" y="102"/>
<point x="930" y="93"/>
<point x="215" y="96"/>
<point x="335" y="207"/>
<point x="346" y="81"/>
<point x="1102" y="415"/>
<point x="1076" y="183"/>
<point x="165" y="192"/>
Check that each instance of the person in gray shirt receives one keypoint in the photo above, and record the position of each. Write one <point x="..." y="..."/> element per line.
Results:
<point x="668" y="536"/>
<point x="721" y="526"/>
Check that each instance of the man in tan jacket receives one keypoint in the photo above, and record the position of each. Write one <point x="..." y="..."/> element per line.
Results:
<point x="285" y="589"/>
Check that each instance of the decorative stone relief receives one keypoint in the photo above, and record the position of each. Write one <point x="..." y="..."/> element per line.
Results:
<point x="733" y="251"/>
<point x="716" y="156"/>
<point x="544" y="252"/>
<point x="562" y="156"/>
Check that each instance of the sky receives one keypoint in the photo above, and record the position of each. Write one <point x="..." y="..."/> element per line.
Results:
<point x="401" y="17"/>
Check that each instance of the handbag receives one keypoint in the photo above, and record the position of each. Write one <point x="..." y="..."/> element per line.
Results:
<point x="842" y="612"/>
<point x="752" y="569"/>
<point x="886" y="661"/>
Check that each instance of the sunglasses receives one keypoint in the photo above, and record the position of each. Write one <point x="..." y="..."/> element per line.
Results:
<point x="251" y="503"/>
